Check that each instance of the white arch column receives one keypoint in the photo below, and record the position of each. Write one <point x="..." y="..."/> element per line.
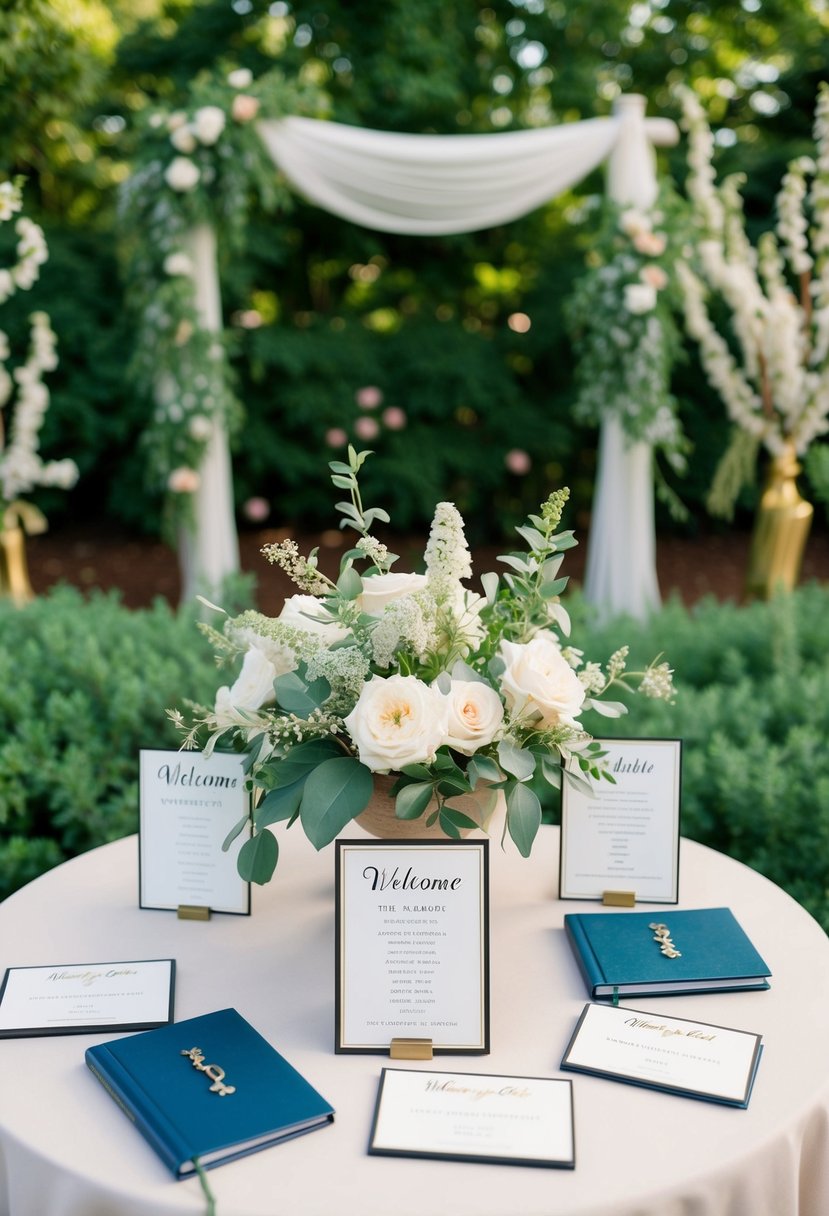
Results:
<point x="209" y="549"/>
<point x="620" y="574"/>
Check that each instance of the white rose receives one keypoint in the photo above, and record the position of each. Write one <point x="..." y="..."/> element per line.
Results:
<point x="183" y="140"/>
<point x="253" y="689"/>
<point x="475" y="715"/>
<point x="306" y="612"/>
<point x="538" y="682"/>
<point x="382" y="589"/>
<point x="177" y="263"/>
<point x="182" y="174"/>
<point x="397" y="721"/>
<point x="208" y="124"/>
<point x="200" y="428"/>
<point x="240" y="78"/>
<point x="639" y="298"/>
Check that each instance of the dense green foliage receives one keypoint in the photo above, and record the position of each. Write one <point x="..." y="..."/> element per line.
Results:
<point x="85" y="684"/>
<point x="318" y="308"/>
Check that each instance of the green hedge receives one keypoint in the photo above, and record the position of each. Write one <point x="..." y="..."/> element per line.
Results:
<point x="84" y="684"/>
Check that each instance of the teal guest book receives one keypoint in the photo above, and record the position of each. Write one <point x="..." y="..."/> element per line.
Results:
<point x="209" y="1089"/>
<point x="625" y="953"/>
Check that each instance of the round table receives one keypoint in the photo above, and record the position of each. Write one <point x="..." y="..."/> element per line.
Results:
<point x="66" y="1150"/>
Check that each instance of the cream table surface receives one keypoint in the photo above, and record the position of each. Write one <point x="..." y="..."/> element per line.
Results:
<point x="66" y="1150"/>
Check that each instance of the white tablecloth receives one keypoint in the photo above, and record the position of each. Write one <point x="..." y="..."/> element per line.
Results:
<point x="66" y="1150"/>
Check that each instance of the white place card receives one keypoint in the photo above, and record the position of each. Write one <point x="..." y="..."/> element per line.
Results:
<point x="694" y="1059"/>
<point x="474" y="1117"/>
<point x="80" y="998"/>
<point x="412" y="944"/>
<point x="625" y="837"/>
<point x="189" y="804"/>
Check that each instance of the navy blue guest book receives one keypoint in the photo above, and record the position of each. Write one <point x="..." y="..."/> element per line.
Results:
<point x="620" y="953"/>
<point x="209" y="1088"/>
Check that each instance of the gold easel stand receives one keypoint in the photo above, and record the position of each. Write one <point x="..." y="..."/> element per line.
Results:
<point x="17" y="519"/>
<point x="780" y="530"/>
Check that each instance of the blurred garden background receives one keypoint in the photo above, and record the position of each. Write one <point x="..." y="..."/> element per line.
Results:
<point x="454" y="358"/>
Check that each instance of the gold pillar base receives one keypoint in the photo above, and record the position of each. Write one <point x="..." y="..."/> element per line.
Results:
<point x="780" y="531"/>
<point x="14" y="573"/>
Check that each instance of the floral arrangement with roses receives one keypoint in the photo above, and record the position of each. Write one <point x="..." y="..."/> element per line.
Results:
<point x="412" y="675"/>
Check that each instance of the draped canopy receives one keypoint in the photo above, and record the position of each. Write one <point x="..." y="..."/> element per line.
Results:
<point x="437" y="185"/>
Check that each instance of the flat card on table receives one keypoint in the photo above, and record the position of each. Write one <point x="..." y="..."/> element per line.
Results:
<point x="625" y="838"/>
<point x="474" y="1117"/>
<point x="694" y="1059"/>
<point x="80" y="998"/>
<point x="412" y="944"/>
<point x="189" y="803"/>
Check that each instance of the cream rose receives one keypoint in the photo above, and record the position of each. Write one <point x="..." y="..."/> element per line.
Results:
<point x="382" y="589"/>
<point x="640" y="298"/>
<point x="475" y="715"/>
<point x="183" y="140"/>
<point x="244" y="108"/>
<point x="307" y="613"/>
<point x="253" y="689"/>
<point x="397" y="721"/>
<point x="182" y="174"/>
<point x="208" y="124"/>
<point x="539" y="683"/>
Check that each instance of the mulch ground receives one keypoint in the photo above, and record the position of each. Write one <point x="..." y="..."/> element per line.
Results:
<point x="141" y="569"/>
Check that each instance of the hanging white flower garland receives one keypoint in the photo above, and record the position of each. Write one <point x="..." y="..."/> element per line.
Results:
<point x="201" y="163"/>
<point x="21" y="466"/>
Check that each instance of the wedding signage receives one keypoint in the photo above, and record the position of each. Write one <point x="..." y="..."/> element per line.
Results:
<point x="209" y="1089"/>
<point x="474" y="1117"/>
<point x="80" y="998"/>
<point x="189" y="804"/>
<point x="625" y="837"/>
<point x="412" y="944"/>
<point x="635" y="954"/>
<point x="694" y="1059"/>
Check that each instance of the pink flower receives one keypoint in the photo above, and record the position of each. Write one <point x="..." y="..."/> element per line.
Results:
<point x="367" y="428"/>
<point x="183" y="481"/>
<point x="649" y="243"/>
<point x="244" y="107"/>
<point x="518" y="461"/>
<point x="336" y="437"/>
<point x="256" y="510"/>
<point x="394" y="418"/>
<point x="654" y="276"/>
<point x="369" y="398"/>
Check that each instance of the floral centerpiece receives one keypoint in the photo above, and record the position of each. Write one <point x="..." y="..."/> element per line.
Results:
<point x="24" y="400"/>
<point x="412" y="675"/>
<point x="772" y="368"/>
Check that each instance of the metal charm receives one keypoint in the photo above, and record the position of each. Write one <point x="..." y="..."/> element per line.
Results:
<point x="216" y="1074"/>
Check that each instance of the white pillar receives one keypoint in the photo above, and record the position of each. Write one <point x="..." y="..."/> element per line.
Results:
<point x="620" y="574"/>
<point x="209" y="551"/>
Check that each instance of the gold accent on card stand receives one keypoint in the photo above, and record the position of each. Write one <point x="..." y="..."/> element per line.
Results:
<point x="193" y="912"/>
<point x="411" y="1049"/>
<point x="619" y="899"/>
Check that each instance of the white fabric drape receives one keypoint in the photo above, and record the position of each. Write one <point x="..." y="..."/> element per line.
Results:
<point x="437" y="185"/>
<point x="434" y="184"/>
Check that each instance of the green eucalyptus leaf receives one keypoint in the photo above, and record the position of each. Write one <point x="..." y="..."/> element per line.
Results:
<point x="234" y="832"/>
<point x="279" y="804"/>
<point x="534" y="539"/>
<point x="457" y="817"/>
<point x="349" y="584"/>
<point x="413" y="800"/>
<point x="523" y="817"/>
<point x="419" y="771"/>
<point x="490" y="582"/>
<point x="551" y="770"/>
<point x="334" y="793"/>
<point x="549" y="590"/>
<point x="448" y="827"/>
<point x="258" y="857"/>
<point x="298" y="697"/>
<point x="516" y="760"/>
<point x="299" y="762"/>
<point x="337" y="466"/>
<point x="482" y="768"/>
<point x="515" y="562"/>
<point x="342" y="483"/>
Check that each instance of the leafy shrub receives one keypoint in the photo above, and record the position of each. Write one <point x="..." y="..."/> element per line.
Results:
<point x="84" y="685"/>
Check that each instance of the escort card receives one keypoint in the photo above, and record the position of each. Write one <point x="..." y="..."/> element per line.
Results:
<point x="80" y="998"/>
<point x="474" y="1117"/>
<point x="412" y="944"/>
<point x="189" y="804"/>
<point x="624" y="837"/>
<point x="694" y="1059"/>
